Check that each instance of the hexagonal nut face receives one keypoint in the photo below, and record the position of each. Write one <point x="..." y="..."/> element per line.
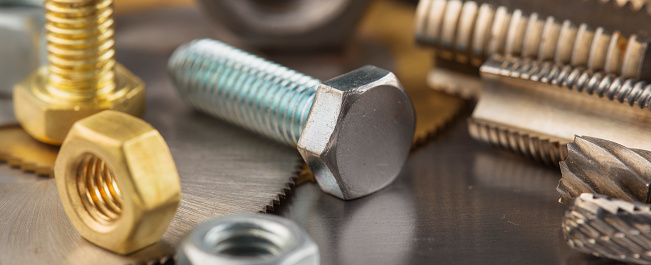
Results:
<point x="48" y="118"/>
<point x="359" y="132"/>
<point x="248" y="239"/>
<point x="117" y="181"/>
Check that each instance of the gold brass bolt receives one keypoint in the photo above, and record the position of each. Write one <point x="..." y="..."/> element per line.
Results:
<point x="117" y="181"/>
<point x="81" y="77"/>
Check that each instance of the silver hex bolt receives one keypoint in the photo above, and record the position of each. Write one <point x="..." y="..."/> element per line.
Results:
<point x="354" y="131"/>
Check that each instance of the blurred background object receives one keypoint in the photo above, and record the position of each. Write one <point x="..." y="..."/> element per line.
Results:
<point x="286" y="24"/>
<point x="22" y="42"/>
<point x="133" y="6"/>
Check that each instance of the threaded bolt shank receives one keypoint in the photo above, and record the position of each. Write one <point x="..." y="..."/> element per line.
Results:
<point x="80" y="45"/>
<point x="244" y="89"/>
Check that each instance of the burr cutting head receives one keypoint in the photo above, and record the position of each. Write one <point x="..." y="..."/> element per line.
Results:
<point x="610" y="228"/>
<point x="599" y="166"/>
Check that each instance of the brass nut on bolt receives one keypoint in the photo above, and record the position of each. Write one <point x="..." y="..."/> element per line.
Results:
<point x="117" y="181"/>
<point x="82" y="76"/>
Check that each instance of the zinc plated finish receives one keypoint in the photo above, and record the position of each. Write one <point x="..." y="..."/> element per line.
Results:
<point x="354" y="131"/>
<point x="244" y="89"/>
<point x="81" y="77"/>
<point x="535" y="108"/>
<point x="248" y="239"/>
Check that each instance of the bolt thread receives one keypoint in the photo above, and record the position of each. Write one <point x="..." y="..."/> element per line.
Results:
<point x="469" y="33"/>
<point x="98" y="189"/>
<point x="243" y="89"/>
<point x="536" y="147"/>
<point x="624" y="90"/>
<point x="80" y="47"/>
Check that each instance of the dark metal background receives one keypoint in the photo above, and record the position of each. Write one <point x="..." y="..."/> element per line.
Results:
<point x="456" y="202"/>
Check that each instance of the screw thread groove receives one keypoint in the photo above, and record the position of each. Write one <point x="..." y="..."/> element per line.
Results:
<point x="470" y="33"/>
<point x="621" y="89"/>
<point x="538" y="148"/>
<point x="80" y="47"/>
<point x="99" y="191"/>
<point x="243" y="89"/>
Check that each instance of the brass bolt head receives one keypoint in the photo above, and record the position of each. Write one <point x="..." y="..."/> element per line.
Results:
<point x="48" y="117"/>
<point x="117" y="181"/>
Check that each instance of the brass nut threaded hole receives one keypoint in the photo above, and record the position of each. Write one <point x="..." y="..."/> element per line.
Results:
<point x="99" y="191"/>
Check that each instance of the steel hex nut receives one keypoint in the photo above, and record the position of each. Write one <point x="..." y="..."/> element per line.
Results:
<point x="359" y="132"/>
<point x="117" y="181"/>
<point x="248" y="239"/>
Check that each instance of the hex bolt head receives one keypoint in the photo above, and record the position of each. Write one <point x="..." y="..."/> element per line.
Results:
<point x="359" y="132"/>
<point x="354" y="131"/>
<point x="117" y="181"/>
<point x="81" y="77"/>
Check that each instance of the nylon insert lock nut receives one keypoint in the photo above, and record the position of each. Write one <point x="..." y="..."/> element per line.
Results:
<point x="117" y="181"/>
<point x="248" y="239"/>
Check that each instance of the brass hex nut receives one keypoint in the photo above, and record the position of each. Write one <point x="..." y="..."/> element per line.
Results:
<point x="48" y="118"/>
<point x="117" y="181"/>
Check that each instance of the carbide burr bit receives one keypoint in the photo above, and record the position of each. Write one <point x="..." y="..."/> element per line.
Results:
<point x="535" y="108"/>
<point x="354" y="131"/>
<point x="611" y="228"/>
<point x="600" y="166"/>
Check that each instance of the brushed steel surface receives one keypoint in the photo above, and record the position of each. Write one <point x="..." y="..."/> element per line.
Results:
<point x="456" y="202"/>
<point x="223" y="169"/>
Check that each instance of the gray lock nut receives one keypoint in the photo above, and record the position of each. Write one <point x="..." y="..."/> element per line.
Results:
<point x="248" y="239"/>
<point x="279" y="24"/>
<point x="22" y="41"/>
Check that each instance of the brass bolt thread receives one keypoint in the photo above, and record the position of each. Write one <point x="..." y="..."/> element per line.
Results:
<point x="80" y="47"/>
<point x="98" y="189"/>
